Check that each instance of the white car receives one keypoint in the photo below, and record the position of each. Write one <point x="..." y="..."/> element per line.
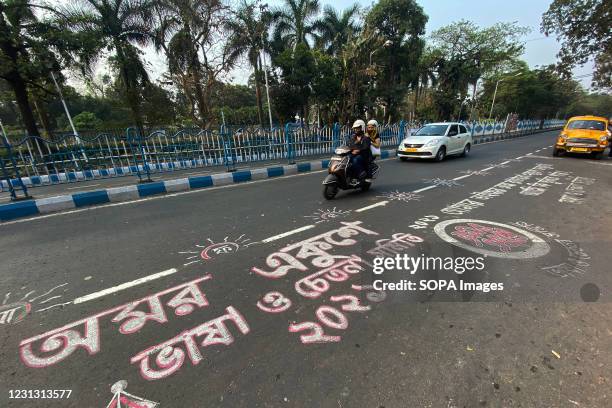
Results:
<point x="436" y="141"/>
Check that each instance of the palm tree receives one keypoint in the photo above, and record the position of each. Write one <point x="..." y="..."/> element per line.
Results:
<point x="336" y="29"/>
<point x="249" y="37"/>
<point x="296" y="21"/>
<point x="118" y="25"/>
<point x="181" y="23"/>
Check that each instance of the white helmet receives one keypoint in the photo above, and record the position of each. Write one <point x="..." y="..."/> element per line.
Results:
<point x="359" y="123"/>
<point x="373" y="122"/>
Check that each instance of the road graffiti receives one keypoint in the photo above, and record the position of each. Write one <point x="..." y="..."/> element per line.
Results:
<point x="58" y="344"/>
<point x="312" y="247"/>
<point x="212" y="249"/>
<point x="491" y="238"/>
<point x="475" y="172"/>
<point x="326" y="215"/>
<point x="121" y="398"/>
<point x="439" y="182"/>
<point x="333" y="269"/>
<point x="476" y="198"/>
<point x="543" y="184"/>
<point x="576" y="263"/>
<point x="404" y="196"/>
<point x="169" y="354"/>
<point x="13" y="313"/>
<point x="423" y="222"/>
<point x="575" y="191"/>
<point x="16" y="311"/>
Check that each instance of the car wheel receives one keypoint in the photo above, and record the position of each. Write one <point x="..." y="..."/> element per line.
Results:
<point x="441" y="154"/>
<point x="597" y="155"/>
<point x="403" y="158"/>
<point x="556" y="152"/>
<point x="365" y="186"/>
<point x="466" y="150"/>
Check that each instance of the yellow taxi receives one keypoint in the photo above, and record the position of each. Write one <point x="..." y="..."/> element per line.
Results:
<point x="584" y="135"/>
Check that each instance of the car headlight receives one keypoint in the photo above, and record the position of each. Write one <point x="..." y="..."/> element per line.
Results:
<point x="562" y="138"/>
<point x="433" y="142"/>
<point x="603" y="140"/>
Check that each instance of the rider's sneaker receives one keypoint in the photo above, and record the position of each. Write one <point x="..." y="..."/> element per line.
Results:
<point x="368" y="180"/>
<point x="354" y="182"/>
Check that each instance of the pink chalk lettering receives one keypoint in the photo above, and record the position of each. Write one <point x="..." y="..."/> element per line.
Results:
<point x="187" y="299"/>
<point x="353" y="305"/>
<point x="317" y="335"/>
<point x="398" y="243"/>
<point x="170" y="356"/>
<point x="505" y="240"/>
<point x="315" y="247"/>
<point x="312" y="286"/>
<point x="277" y="303"/>
<point x="372" y="294"/>
<point x="62" y="342"/>
<point x="274" y="261"/>
<point x="134" y="320"/>
<point x="59" y="343"/>
<point x="327" y="314"/>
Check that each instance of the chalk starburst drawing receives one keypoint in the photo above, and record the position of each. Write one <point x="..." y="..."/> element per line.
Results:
<point x="212" y="249"/>
<point x="438" y="182"/>
<point x="15" y="306"/>
<point x="326" y="215"/>
<point x="404" y="196"/>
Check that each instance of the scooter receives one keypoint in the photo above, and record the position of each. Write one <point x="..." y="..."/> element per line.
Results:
<point x="338" y="177"/>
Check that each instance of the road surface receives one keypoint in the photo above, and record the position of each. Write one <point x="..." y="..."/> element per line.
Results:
<point x="260" y="294"/>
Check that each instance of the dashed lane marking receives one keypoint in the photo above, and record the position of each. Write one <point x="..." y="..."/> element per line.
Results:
<point x="286" y="234"/>
<point x="379" y="204"/>
<point x="123" y="286"/>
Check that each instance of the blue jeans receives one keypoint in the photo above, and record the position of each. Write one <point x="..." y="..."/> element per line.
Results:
<point x="357" y="166"/>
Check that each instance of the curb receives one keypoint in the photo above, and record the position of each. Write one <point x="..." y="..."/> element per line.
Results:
<point x="47" y="205"/>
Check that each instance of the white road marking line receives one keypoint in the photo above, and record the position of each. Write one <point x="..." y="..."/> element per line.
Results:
<point x="488" y="168"/>
<point x="528" y="154"/>
<point x="424" y="189"/>
<point x="123" y="286"/>
<point x="87" y="186"/>
<point x="462" y="177"/>
<point x="506" y="162"/>
<point x="286" y="234"/>
<point x="382" y="203"/>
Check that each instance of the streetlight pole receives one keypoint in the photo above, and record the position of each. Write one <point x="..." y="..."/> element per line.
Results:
<point x="74" y="131"/>
<point x="262" y="55"/>
<point x="495" y="92"/>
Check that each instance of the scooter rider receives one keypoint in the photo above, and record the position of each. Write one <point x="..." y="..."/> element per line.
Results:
<point x="372" y="131"/>
<point x="360" y="151"/>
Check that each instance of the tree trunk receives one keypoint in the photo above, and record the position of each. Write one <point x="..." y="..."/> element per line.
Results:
<point x="23" y="102"/>
<point x="131" y="91"/>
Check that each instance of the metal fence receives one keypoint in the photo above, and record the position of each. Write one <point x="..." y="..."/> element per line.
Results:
<point x="34" y="161"/>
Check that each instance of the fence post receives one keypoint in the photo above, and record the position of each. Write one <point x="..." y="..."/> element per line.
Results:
<point x="402" y="131"/>
<point x="335" y="136"/>
<point x="142" y="153"/>
<point x="289" y="143"/>
<point x="9" y="151"/>
<point x="228" y="155"/>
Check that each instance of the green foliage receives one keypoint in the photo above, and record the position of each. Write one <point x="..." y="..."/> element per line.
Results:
<point x="87" y="121"/>
<point x="584" y="28"/>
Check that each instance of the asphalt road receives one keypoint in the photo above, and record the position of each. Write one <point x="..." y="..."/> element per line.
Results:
<point x="124" y="292"/>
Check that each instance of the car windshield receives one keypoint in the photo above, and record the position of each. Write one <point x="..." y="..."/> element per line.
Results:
<point x="432" y="130"/>
<point x="587" y="124"/>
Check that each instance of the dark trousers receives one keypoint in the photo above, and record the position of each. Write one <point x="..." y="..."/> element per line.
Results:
<point x="357" y="166"/>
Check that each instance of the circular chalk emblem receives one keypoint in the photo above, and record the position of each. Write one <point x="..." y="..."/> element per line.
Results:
<point x="491" y="238"/>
